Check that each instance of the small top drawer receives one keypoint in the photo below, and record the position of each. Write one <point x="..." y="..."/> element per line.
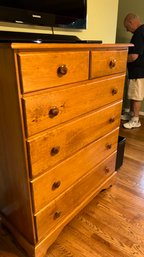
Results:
<point x="107" y="62"/>
<point x="45" y="70"/>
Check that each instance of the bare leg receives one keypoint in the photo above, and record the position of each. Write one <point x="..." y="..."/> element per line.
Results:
<point x="131" y="106"/>
<point x="135" y="107"/>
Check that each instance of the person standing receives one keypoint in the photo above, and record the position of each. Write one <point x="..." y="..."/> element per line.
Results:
<point x="135" y="65"/>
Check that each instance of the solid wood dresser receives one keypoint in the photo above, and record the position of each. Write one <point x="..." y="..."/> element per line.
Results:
<point x="60" y="107"/>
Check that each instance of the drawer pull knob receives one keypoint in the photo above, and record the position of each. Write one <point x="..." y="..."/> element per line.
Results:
<point x="62" y="70"/>
<point x="56" y="185"/>
<point x="111" y="120"/>
<point x="53" y="112"/>
<point x="107" y="170"/>
<point x="57" y="214"/>
<point x="114" y="91"/>
<point x="55" y="150"/>
<point x="112" y="63"/>
<point x="109" y="146"/>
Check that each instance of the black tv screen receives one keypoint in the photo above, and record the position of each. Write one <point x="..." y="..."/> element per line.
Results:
<point x="51" y="13"/>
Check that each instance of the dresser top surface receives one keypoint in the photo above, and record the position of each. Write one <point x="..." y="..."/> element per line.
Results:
<point x="88" y="46"/>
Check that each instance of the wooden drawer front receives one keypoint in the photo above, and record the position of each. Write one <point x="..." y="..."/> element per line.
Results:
<point x="48" y="149"/>
<point x="49" y="185"/>
<point x="74" y="197"/>
<point x="69" y="102"/>
<point x="107" y="62"/>
<point x="44" y="70"/>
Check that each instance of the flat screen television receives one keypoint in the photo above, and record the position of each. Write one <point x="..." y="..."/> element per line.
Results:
<point x="51" y="13"/>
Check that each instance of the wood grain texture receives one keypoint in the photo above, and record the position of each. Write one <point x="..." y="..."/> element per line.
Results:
<point x="92" y="94"/>
<point x="112" y="225"/>
<point x="107" y="62"/>
<point x="87" y="137"/>
<point x="75" y="197"/>
<point x="40" y="70"/>
<point x="63" y="46"/>
<point x="72" y="169"/>
<point x="15" y="201"/>
<point x="70" y="137"/>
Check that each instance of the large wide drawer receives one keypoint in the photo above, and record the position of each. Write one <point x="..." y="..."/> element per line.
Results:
<point x="39" y="70"/>
<point x="49" y="148"/>
<point x="44" y="110"/>
<point x="74" y="197"/>
<point x="49" y="185"/>
<point x="107" y="62"/>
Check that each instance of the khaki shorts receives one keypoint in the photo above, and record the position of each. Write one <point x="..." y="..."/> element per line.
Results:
<point x="136" y="89"/>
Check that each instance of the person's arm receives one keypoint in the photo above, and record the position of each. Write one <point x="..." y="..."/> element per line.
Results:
<point x="132" y="57"/>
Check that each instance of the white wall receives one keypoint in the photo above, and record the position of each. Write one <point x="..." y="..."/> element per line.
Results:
<point x="101" y="23"/>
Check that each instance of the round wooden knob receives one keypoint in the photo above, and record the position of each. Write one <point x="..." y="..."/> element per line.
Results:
<point x="55" y="150"/>
<point x="56" y="185"/>
<point x="57" y="214"/>
<point x="114" y="91"/>
<point x="108" y="146"/>
<point x="111" y="120"/>
<point x="112" y="63"/>
<point x="107" y="170"/>
<point x="53" y="112"/>
<point x="62" y="70"/>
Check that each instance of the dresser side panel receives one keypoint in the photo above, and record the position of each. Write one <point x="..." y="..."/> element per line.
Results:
<point x="15" y="202"/>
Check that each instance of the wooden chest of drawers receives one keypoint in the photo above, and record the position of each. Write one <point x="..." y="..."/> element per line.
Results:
<point x="60" y="113"/>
